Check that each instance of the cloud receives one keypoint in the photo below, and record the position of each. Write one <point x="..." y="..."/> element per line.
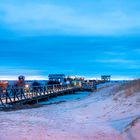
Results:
<point x="136" y="51"/>
<point x="112" y="53"/>
<point x="15" y="77"/>
<point x="12" y="73"/>
<point x="45" y="18"/>
<point x="115" y="61"/>
<point x="18" y="70"/>
<point x="73" y="37"/>
<point x="120" y="63"/>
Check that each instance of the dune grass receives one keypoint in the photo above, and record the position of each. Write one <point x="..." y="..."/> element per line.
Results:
<point x="129" y="88"/>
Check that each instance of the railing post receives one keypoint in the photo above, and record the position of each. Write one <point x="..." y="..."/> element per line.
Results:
<point x="6" y="97"/>
<point x="20" y="93"/>
<point x="1" y="99"/>
<point x="14" y="93"/>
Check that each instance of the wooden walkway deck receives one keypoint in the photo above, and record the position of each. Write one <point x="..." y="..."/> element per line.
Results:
<point x="32" y="94"/>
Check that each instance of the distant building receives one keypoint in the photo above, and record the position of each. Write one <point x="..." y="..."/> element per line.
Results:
<point x="57" y="78"/>
<point x="106" y="77"/>
<point x="3" y="84"/>
<point x="89" y="85"/>
<point x="76" y="81"/>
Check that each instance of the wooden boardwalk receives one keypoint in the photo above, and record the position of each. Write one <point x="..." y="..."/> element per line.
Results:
<point x="24" y="95"/>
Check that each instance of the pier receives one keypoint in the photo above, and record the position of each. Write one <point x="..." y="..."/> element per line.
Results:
<point x="34" y="94"/>
<point x="25" y="92"/>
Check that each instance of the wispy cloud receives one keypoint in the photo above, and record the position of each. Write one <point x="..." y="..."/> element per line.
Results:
<point x="136" y="51"/>
<point x="18" y="70"/>
<point x="124" y="63"/>
<point x="113" y="53"/>
<point x="115" y="61"/>
<point x="50" y="18"/>
<point x="15" y="77"/>
<point x="12" y="73"/>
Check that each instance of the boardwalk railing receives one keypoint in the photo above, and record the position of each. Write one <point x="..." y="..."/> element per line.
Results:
<point x="27" y="94"/>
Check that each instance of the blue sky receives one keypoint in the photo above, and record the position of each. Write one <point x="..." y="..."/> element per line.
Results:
<point x="87" y="38"/>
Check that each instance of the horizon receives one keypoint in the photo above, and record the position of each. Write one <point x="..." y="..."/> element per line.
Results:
<point x="13" y="78"/>
<point x="93" y="39"/>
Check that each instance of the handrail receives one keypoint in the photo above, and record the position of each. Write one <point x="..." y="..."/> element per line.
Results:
<point x="17" y="94"/>
<point x="41" y="86"/>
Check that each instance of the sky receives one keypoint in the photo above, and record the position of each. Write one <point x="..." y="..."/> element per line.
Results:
<point x="84" y="38"/>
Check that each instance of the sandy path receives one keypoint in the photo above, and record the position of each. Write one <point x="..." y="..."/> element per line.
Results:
<point x="96" y="117"/>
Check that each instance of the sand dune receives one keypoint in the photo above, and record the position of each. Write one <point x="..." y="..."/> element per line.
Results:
<point x="102" y="115"/>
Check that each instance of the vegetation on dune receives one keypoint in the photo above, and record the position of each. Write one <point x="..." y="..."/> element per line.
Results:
<point x="129" y="88"/>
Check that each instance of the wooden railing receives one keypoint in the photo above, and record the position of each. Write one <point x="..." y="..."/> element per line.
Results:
<point x="24" y="94"/>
